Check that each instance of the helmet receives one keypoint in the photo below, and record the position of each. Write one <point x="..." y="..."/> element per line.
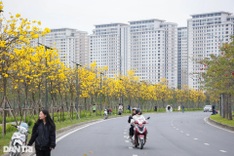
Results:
<point x="134" y="108"/>
<point x="138" y="110"/>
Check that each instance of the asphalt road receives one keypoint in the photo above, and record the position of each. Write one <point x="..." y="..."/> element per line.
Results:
<point x="170" y="134"/>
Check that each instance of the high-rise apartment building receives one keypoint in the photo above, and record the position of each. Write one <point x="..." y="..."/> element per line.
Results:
<point x="182" y="57"/>
<point x="206" y="33"/>
<point x="147" y="50"/>
<point x="153" y="50"/>
<point x="109" y="47"/>
<point x="149" y="47"/>
<point x="171" y="53"/>
<point x="82" y="47"/>
<point x="72" y="45"/>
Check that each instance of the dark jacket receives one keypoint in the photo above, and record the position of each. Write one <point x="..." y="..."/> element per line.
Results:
<point x="44" y="136"/>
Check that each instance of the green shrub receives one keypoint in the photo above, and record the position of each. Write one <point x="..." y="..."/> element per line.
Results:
<point x="10" y="128"/>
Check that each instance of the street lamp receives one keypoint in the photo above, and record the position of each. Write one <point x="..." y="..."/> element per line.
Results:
<point x="101" y="74"/>
<point x="46" y="87"/>
<point x="77" y="87"/>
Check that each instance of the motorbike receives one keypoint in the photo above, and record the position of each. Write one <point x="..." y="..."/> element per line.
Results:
<point x="141" y="132"/>
<point x="19" y="139"/>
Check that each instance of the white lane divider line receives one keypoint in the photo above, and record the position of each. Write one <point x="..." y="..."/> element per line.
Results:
<point x="187" y="134"/>
<point x="195" y="138"/>
<point x="127" y="141"/>
<point x="134" y="155"/>
<point x="223" y="151"/>
<point x="130" y="147"/>
<point x="181" y="131"/>
<point x="206" y="144"/>
<point x="177" y="129"/>
<point x="77" y="129"/>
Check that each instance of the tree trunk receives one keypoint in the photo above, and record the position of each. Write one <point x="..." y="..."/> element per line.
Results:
<point x="229" y="107"/>
<point x="222" y="105"/>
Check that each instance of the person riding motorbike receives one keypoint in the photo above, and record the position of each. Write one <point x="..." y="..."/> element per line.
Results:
<point x="137" y="118"/>
<point x="131" y="129"/>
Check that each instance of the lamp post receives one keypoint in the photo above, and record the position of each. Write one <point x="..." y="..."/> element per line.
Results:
<point x="101" y="74"/>
<point x="77" y="87"/>
<point x="46" y="87"/>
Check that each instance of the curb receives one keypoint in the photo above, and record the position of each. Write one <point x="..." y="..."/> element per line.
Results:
<point x="221" y="125"/>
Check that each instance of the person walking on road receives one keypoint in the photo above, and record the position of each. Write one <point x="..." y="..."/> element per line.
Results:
<point x="43" y="134"/>
<point x="182" y="108"/>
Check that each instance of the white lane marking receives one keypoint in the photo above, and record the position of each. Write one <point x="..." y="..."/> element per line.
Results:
<point x="174" y="127"/>
<point x="65" y="135"/>
<point x="195" y="138"/>
<point x="181" y="131"/>
<point x="206" y="120"/>
<point x="187" y="134"/>
<point x="134" y="155"/>
<point x="177" y="129"/>
<point x="125" y="132"/>
<point x="223" y="151"/>
<point x="130" y="147"/>
<point x="126" y="141"/>
<point x="78" y="129"/>
<point x="206" y="144"/>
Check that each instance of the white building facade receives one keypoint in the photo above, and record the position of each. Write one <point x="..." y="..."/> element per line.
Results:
<point x="153" y="50"/>
<point x="206" y="33"/>
<point x="149" y="47"/>
<point x="72" y="45"/>
<point x="147" y="52"/>
<point x="109" y="47"/>
<point x="182" y="57"/>
<point x="171" y="53"/>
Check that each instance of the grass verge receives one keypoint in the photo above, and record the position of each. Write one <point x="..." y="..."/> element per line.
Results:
<point x="221" y="120"/>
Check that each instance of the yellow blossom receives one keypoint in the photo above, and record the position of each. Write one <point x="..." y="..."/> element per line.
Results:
<point x="17" y="15"/>
<point x="2" y="44"/>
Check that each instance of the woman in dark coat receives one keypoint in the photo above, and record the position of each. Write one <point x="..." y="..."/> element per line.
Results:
<point x="43" y="134"/>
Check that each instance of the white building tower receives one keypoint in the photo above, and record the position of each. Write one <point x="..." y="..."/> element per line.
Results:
<point x="206" y="33"/>
<point x="153" y="50"/>
<point x="171" y="53"/>
<point x="72" y="45"/>
<point x="182" y="57"/>
<point x="109" y="47"/>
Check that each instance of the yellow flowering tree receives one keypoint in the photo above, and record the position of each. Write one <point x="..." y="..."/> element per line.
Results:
<point x="15" y="33"/>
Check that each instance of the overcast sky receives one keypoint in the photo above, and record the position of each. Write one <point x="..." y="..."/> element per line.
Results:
<point x="84" y="14"/>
